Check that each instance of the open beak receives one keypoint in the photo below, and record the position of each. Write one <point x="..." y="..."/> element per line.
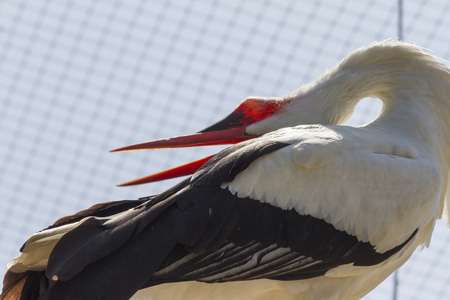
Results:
<point x="218" y="137"/>
<point x="230" y="130"/>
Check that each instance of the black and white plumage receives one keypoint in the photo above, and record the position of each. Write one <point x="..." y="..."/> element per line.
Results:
<point x="302" y="212"/>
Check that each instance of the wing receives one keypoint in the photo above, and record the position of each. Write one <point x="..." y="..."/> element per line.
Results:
<point x="242" y="239"/>
<point x="207" y="229"/>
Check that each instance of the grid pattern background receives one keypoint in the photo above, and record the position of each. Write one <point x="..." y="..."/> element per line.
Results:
<point x="78" y="78"/>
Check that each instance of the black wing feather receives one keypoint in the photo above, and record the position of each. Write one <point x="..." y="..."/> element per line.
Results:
<point x="265" y="242"/>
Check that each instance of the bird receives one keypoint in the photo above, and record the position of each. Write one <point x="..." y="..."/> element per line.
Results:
<point x="299" y="206"/>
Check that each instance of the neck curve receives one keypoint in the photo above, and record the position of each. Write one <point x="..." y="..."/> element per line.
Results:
<point x="413" y="85"/>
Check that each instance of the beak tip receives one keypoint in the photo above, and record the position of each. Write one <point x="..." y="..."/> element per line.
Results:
<point x="117" y="150"/>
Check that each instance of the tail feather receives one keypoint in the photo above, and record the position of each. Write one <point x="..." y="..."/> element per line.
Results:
<point x="89" y="242"/>
<point x="26" y="278"/>
<point x="21" y="286"/>
<point x="120" y="274"/>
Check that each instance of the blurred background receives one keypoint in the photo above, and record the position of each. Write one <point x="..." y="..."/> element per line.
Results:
<point x="79" y="78"/>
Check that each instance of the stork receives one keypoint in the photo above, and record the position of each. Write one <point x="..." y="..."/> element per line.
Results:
<point x="300" y="207"/>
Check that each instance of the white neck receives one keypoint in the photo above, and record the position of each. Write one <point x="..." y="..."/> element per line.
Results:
<point x="413" y="85"/>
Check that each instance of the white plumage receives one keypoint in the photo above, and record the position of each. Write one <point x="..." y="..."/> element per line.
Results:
<point x="378" y="188"/>
<point x="359" y="180"/>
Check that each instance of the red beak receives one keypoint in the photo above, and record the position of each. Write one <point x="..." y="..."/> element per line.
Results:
<point x="230" y="130"/>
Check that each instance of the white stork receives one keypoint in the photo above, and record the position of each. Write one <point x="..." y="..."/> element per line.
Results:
<point x="304" y="209"/>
